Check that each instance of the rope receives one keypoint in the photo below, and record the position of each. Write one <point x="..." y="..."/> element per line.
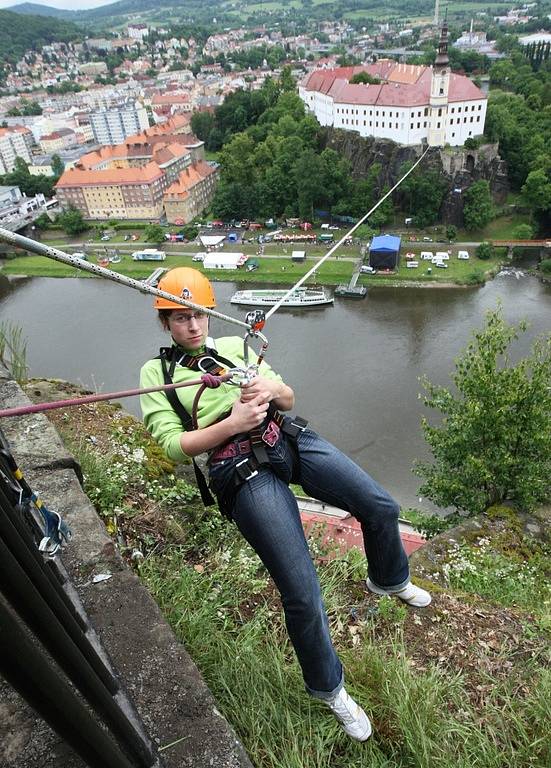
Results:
<point x="54" y="253"/>
<point x="207" y="380"/>
<point x="341" y="241"/>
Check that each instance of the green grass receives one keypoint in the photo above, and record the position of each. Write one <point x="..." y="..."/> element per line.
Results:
<point x="428" y="711"/>
<point x="502" y="228"/>
<point x="272" y="270"/>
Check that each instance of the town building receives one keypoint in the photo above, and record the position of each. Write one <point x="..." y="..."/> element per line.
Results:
<point x="112" y="126"/>
<point x="476" y="41"/>
<point x="188" y="197"/>
<point x="137" y="31"/>
<point x="410" y="104"/>
<point x="56" y="141"/>
<point x="160" y="171"/>
<point x="15" y="141"/>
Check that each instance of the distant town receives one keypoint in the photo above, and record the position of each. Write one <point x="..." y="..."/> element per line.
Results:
<point x="111" y="117"/>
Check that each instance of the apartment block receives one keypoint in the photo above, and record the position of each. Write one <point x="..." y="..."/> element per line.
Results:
<point x="14" y="142"/>
<point x="112" y="126"/>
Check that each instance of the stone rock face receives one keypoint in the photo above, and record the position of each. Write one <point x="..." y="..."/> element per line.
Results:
<point x="459" y="166"/>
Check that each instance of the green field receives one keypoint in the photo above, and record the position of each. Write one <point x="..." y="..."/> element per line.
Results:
<point x="273" y="270"/>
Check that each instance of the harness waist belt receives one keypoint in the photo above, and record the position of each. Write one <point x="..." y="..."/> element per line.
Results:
<point x="270" y="435"/>
<point x="230" y="450"/>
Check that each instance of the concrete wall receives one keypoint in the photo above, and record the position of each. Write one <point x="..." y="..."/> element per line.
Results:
<point x="155" y="669"/>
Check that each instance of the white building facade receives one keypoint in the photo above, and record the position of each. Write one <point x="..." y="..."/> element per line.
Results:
<point x="112" y="126"/>
<point x="409" y="105"/>
<point x="13" y="143"/>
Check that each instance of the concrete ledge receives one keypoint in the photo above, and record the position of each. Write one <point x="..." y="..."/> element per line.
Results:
<point x="154" y="668"/>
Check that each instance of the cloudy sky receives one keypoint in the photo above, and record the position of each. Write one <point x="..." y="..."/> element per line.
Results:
<point x="73" y="5"/>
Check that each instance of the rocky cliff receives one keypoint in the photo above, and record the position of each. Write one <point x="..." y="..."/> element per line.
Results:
<point x="461" y="167"/>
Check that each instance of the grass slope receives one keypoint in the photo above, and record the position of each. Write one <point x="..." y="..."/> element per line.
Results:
<point x="465" y="682"/>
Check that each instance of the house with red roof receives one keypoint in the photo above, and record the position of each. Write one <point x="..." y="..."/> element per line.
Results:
<point x="409" y="104"/>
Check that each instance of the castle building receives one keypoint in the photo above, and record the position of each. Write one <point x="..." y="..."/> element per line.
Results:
<point x="409" y="104"/>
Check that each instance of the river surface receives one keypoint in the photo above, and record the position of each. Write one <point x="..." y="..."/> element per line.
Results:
<point x="354" y="366"/>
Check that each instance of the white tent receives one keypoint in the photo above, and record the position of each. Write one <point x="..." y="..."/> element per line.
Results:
<point x="220" y="260"/>
<point x="211" y="240"/>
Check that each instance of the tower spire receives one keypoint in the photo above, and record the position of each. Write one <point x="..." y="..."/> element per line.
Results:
<point x="442" y="58"/>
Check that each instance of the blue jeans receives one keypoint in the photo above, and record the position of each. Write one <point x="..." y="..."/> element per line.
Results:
<point x="266" y="513"/>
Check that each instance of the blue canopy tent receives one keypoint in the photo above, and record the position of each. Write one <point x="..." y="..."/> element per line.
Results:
<point x="384" y="252"/>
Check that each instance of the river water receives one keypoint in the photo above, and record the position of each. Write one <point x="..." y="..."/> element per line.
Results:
<point x="354" y="366"/>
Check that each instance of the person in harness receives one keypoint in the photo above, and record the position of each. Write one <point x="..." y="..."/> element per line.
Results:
<point x="254" y="453"/>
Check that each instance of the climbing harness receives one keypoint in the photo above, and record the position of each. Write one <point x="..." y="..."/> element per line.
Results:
<point x="49" y="530"/>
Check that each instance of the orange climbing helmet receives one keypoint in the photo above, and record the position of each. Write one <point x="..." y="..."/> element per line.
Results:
<point x="189" y="284"/>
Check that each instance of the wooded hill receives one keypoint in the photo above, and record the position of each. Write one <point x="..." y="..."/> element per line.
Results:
<point x="16" y="37"/>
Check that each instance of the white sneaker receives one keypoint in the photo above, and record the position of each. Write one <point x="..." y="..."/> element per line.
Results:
<point x="350" y="715"/>
<point x="410" y="594"/>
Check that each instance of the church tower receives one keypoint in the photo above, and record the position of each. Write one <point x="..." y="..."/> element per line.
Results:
<point x="439" y="87"/>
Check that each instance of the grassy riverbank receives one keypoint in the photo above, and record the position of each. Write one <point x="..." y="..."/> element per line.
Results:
<point x="277" y="268"/>
<point x="465" y="682"/>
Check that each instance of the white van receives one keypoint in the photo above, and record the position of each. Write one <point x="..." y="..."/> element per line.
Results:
<point x="463" y="255"/>
<point x="427" y="255"/>
<point x="442" y="255"/>
<point x="411" y="264"/>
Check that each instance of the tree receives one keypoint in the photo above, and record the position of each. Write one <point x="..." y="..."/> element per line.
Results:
<point x="154" y="233"/>
<point x="523" y="232"/>
<point x="58" y="166"/>
<point x="189" y="231"/>
<point x="494" y="440"/>
<point x="537" y="190"/>
<point x="364" y="78"/>
<point x="485" y="251"/>
<point x="451" y="232"/>
<point x="71" y="221"/>
<point x="477" y="206"/>
<point x="202" y="124"/>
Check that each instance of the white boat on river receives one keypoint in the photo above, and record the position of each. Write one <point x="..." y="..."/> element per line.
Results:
<point x="302" y="297"/>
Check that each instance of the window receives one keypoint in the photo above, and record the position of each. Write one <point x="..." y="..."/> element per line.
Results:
<point x="411" y="126"/>
<point x="396" y="126"/>
<point x="478" y="119"/>
<point x="479" y="107"/>
<point x="451" y="121"/>
<point x="441" y="91"/>
<point x="459" y="109"/>
<point x="471" y="119"/>
<point x="438" y="124"/>
<point x="440" y="112"/>
<point x="424" y="124"/>
<point x="418" y="125"/>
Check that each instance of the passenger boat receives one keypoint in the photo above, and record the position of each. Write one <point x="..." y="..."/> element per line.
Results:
<point x="301" y="297"/>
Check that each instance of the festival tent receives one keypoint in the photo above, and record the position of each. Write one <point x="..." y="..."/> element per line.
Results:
<point x="384" y="252"/>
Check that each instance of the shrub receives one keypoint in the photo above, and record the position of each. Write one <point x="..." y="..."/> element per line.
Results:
<point x="485" y="251"/>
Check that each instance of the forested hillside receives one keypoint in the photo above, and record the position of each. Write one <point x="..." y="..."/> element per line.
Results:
<point x="17" y="37"/>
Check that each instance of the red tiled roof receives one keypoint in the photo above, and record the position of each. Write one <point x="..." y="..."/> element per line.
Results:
<point x="402" y="85"/>
<point x="80" y="177"/>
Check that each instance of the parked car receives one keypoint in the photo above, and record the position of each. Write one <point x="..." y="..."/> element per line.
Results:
<point x="366" y="269"/>
<point x="80" y="255"/>
<point x="427" y="239"/>
<point x="463" y="255"/>
<point x="440" y="264"/>
<point x="105" y="238"/>
<point x="199" y="256"/>
<point x="412" y="264"/>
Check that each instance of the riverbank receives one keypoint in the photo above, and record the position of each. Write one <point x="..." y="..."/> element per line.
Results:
<point x="280" y="270"/>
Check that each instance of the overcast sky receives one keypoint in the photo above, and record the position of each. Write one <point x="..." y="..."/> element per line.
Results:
<point x="72" y="5"/>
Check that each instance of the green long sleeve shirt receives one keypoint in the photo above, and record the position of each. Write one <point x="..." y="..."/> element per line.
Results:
<point x="163" y="423"/>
